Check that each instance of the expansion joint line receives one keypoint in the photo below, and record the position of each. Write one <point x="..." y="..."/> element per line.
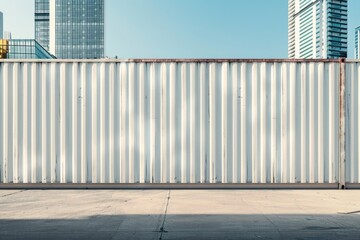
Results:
<point x="162" y="228"/>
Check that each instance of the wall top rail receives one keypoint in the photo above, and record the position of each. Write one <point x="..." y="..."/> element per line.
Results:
<point x="175" y="60"/>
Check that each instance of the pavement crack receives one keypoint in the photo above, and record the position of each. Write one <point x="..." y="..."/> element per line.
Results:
<point x="354" y="212"/>
<point x="11" y="194"/>
<point x="162" y="228"/>
<point x="272" y="223"/>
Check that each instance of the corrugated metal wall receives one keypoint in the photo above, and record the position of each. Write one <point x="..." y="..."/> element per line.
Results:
<point x="171" y="122"/>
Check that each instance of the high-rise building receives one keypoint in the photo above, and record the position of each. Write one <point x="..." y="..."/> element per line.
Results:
<point x="42" y="22"/>
<point x="357" y="43"/>
<point x="317" y="28"/>
<point x="71" y="28"/>
<point x="1" y="25"/>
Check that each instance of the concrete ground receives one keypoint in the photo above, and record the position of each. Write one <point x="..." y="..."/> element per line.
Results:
<point x="180" y="214"/>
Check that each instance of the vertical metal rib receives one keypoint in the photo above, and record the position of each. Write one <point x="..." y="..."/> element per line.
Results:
<point x="320" y="126"/>
<point x="303" y="114"/>
<point x="263" y="121"/>
<point x="94" y="124"/>
<point x="192" y="119"/>
<point x="224" y="128"/>
<point x="284" y="126"/>
<point x="184" y="102"/>
<point x="274" y="121"/>
<point x="15" y="117"/>
<point x="84" y="120"/>
<point x="131" y="121"/>
<point x="74" y="98"/>
<point x="311" y="125"/>
<point x="5" y="114"/>
<point x="33" y="83"/>
<point x="255" y="121"/>
<point x="243" y="122"/>
<point x="44" y="124"/>
<point x="172" y="123"/>
<point x="292" y="130"/>
<point x="235" y="121"/>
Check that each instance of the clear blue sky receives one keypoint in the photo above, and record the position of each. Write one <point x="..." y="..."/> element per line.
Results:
<point x="185" y="28"/>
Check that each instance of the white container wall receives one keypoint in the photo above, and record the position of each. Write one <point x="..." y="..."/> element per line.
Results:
<point x="352" y="122"/>
<point x="172" y="122"/>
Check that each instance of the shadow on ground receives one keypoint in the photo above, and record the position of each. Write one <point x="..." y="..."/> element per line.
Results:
<point x="340" y="226"/>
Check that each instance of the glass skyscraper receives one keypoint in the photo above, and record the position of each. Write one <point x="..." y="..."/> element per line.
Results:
<point x="317" y="28"/>
<point x="1" y="25"/>
<point x="72" y="29"/>
<point x="357" y="42"/>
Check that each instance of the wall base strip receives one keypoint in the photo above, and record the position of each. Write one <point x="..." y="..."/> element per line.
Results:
<point x="353" y="186"/>
<point x="179" y="186"/>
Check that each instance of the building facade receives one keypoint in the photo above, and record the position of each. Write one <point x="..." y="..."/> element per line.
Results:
<point x="22" y="49"/>
<point x="71" y="29"/>
<point x="7" y="35"/>
<point x="1" y="25"/>
<point x="317" y="28"/>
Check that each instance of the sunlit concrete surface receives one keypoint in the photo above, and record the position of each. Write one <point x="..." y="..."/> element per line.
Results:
<point x="180" y="214"/>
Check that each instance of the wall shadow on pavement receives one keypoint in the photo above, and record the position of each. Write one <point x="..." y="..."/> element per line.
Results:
<point x="255" y="226"/>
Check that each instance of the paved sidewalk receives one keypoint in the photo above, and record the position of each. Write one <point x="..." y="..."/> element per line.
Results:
<point x="180" y="214"/>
